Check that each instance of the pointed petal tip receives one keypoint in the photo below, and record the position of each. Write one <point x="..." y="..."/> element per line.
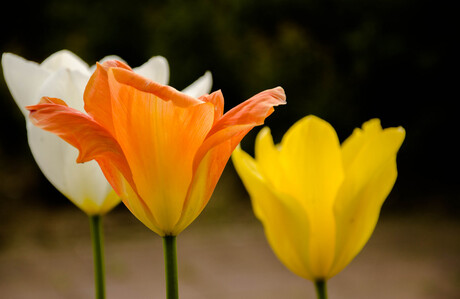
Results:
<point x="401" y="129"/>
<point x="7" y="55"/>
<point x="201" y="87"/>
<point x="263" y="132"/>
<point x="10" y="60"/>
<point x="208" y="76"/>
<point x="156" y="69"/>
<point x="375" y="125"/>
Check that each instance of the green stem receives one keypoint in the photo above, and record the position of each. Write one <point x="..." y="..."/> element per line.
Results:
<point x="321" y="290"/>
<point x="98" y="254"/>
<point x="169" y="247"/>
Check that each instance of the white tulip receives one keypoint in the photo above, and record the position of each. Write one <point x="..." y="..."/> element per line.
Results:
<point x="64" y="75"/>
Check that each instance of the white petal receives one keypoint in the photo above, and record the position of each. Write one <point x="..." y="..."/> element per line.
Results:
<point x="66" y="85"/>
<point x="156" y="69"/>
<point x="62" y="75"/>
<point x="23" y="79"/>
<point x="56" y="160"/>
<point x="65" y="59"/>
<point x="49" y="153"/>
<point x="200" y="87"/>
<point x="84" y="181"/>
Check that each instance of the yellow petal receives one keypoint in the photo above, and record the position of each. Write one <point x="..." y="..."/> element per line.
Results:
<point x="90" y="207"/>
<point x="311" y="157"/>
<point x="370" y="166"/>
<point x="284" y="219"/>
<point x="268" y="159"/>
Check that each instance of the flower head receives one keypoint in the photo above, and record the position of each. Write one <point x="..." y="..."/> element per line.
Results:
<point x="319" y="201"/>
<point x="162" y="151"/>
<point x="65" y="75"/>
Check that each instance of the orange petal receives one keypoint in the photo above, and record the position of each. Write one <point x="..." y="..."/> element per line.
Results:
<point x="164" y="92"/>
<point x="217" y="99"/>
<point x="130" y="197"/>
<point x="159" y="140"/>
<point x="205" y="179"/>
<point x="237" y="122"/>
<point x="252" y="111"/>
<point x="91" y="139"/>
<point x="215" y="151"/>
<point x="97" y="94"/>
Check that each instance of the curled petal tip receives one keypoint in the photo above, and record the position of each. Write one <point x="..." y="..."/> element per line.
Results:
<point x="112" y="63"/>
<point x="278" y="93"/>
<point x="45" y="100"/>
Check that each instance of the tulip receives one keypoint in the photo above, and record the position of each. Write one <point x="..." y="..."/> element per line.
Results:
<point x="319" y="201"/>
<point x="161" y="150"/>
<point x="65" y="75"/>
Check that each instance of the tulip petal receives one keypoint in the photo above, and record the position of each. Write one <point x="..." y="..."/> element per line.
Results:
<point x="93" y="68"/>
<point x="97" y="94"/>
<point x="370" y="165"/>
<point x="107" y="58"/>
<point x="213" y="154"/>
<point x="200" y="87"/>
<point x="164" y="92"/>
<point x="159" y="139"/>
<point x="130" y="197"/>
<point x="205" y="179"/>
<point x="65" y="59"/>
<point x="253" y="111"/>
<point x="217" y="100"/>
<point x="67" y="84"/>
<point x="18" y="73"/>
<point x="82" y="132"/>
<point x="83" y="184"/>
<point x="156" y="69"/>
<point x="102" y="206"/>
<point x="311" y="155"/>
<point x="237" y="122"/>
<point x="284" y="219"/>
<point x="63" y="74"/>
<point x="268" y="159"/>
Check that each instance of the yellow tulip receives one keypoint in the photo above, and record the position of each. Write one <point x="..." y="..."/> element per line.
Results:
<point x="318" y="200"/>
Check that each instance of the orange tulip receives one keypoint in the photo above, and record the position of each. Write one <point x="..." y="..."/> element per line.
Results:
<point x="161" y="150"/>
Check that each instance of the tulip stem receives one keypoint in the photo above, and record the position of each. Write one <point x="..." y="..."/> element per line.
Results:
<point x="170" y="255"/>
<point x="321" y="290"/>
<point x="98" y="255"/>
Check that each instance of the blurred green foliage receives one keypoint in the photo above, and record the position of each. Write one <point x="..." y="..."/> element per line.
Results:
<point x="344" y="60"/>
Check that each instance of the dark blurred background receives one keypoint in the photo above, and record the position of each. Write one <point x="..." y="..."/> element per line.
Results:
<point x="346" y="61"/>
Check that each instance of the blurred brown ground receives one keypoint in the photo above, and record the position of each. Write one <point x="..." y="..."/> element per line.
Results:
<point x="47" y="254"/>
